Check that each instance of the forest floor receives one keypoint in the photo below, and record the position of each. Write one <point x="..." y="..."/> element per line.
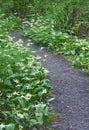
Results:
<point x="69" y="85"/>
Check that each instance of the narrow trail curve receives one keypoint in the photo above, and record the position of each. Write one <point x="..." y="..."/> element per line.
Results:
<point x="70" y="85"/>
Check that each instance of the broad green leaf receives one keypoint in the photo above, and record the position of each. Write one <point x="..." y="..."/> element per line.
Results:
<point x="10" y="127"/>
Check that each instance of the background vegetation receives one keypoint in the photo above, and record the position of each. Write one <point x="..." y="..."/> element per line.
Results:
<point x="71" y="16"/>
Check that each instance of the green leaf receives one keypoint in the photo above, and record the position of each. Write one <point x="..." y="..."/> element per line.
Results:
<point x="46" y="111"/>
<point x="7" y="82"/>
<point x="39" y="117"/>
<point x="10" y="127"/>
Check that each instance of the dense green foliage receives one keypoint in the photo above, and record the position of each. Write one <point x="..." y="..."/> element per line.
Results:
<point x="43" y="33"/>
<point x="71" y="16"/>
<point x="23" y="85"/>
<point x="9" y="23"/>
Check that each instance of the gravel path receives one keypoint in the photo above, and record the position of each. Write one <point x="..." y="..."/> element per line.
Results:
<point x="71" y="87"/>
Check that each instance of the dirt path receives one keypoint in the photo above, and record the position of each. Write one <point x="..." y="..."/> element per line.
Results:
<point x="70" y="86"/>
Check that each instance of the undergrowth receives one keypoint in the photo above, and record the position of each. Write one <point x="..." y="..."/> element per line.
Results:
<point x="42" y="32"/>
<point x="24" y="89"/>
<point x="9" y="23"/>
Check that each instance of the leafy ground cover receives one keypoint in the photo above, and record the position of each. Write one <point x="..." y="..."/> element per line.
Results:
<point x="23" y="86"/>
<point x="43" y="33"/>
<point x="9" y="23"/>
